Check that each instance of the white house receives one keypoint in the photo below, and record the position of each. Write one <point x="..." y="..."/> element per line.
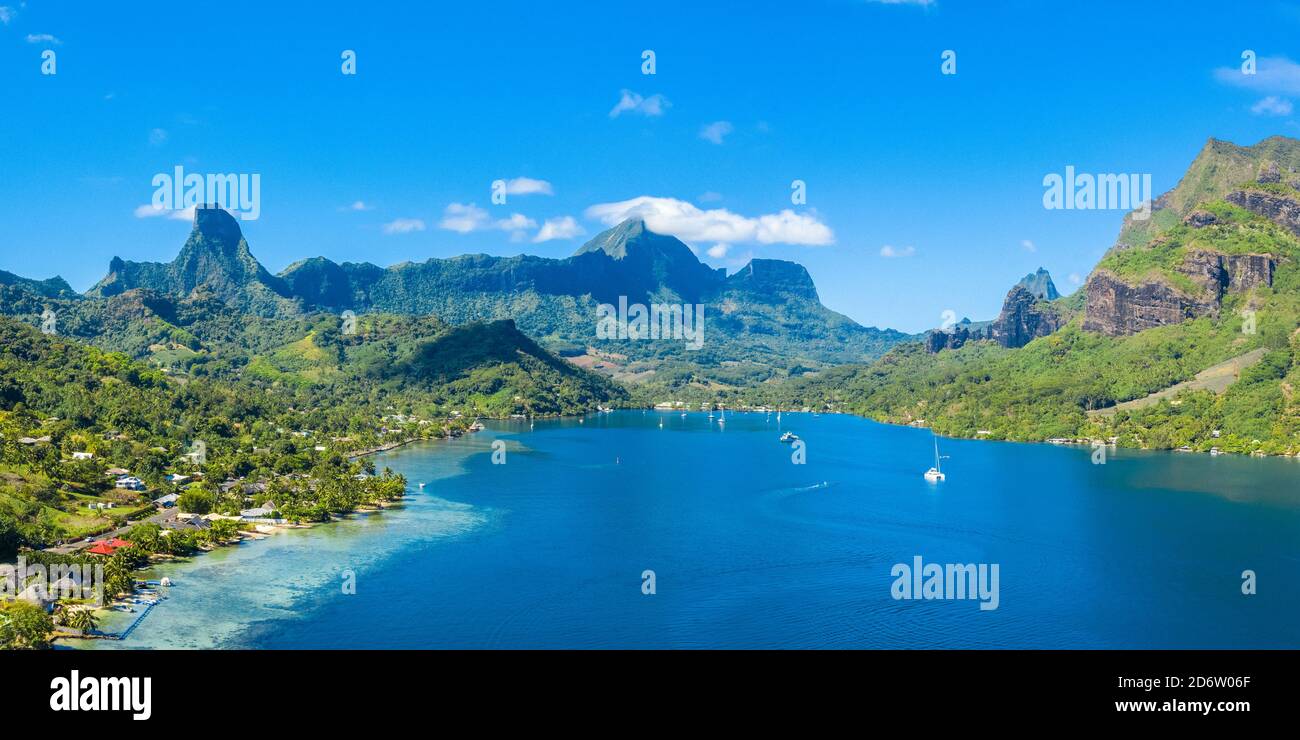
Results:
<point x="83" y="456"/>
<point x="129" y="483"/>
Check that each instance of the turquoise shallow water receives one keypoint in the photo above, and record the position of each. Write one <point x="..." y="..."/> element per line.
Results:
<point x="750" y="550"/>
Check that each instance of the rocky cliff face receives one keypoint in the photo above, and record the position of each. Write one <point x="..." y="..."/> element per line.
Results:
<point x="1282" y="210"/>
<point x="1116" y="308"/>
<point x="959" y="335"/>
<point x="1026" y="315"/>
<point x="1024" y="318"/>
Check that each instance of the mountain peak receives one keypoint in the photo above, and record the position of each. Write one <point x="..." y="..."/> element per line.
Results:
<point x="217" y="225"/>
<point x="775" y="278"/>
<point x="215" y="258"/>
<point x="614" y="242"/>
<point x="216" y="235"/>
<point x="1040" y="284"/>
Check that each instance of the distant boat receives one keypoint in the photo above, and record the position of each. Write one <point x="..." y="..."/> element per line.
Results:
<point x="789" y="437"/>
<point x="935" y="475"/>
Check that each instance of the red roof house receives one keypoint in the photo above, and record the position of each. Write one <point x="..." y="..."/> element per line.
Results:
<point x="101" y="548"/>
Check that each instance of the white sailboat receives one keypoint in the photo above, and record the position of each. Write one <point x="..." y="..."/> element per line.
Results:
<point x="935" y="475"/>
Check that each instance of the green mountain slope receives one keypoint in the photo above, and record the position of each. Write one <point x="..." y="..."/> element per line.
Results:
<point x="765" y="322"/>
<point x="1213" y="276"/>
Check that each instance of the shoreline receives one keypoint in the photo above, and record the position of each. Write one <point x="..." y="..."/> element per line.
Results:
<point x="256" y="534"/>
<point x="368" y="451"/>
<point x="1071" y="442"/>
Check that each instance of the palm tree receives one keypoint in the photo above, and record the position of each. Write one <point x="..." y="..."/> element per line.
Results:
<point x="117" y="576"/>
<point x="82" y="619"/>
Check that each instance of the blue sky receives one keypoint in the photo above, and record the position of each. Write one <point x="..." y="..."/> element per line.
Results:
<point x="845" y="95"/>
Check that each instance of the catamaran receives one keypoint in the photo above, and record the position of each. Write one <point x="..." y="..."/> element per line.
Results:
<point x="935" y="475"/>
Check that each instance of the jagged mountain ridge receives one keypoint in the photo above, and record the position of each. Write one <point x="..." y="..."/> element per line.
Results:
<point x="768" y="313"/>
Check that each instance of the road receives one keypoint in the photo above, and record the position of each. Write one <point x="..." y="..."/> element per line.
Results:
<point x="159" y="518"/>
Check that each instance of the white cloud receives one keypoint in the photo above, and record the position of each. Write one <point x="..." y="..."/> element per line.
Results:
<point x="404" y="226"/>
<point x="1272" y="106"/>
<point x="516" y="222"/>
<point x="687" y="221"/>
<point x="564" y="227"/>
<point x="1029" y="245"/>
<point x="42" y="38"/>
<point x="892" y="251"/>
<point x="149" y="210"/>
<point x="718" y="251"/>
<point x="1075" y="279"/>
<point x="528" y="186"/>
<point x="1272" y="75"/>
<point x="463" y="218"/>
<point x="716" y="131"/>
<point x="631" y="102"/>
<point x="357" y="205"/>
<point x="6" y="14"/>
<point x="157" y="136"/>
<point x="709" y="197"/>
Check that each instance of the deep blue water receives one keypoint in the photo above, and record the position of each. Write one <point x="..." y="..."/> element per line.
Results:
<point x="750" y="550"/>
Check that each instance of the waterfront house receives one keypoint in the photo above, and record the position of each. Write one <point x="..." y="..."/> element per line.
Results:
<point x="191" y="523"/>
<point x="101" y="548"/>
